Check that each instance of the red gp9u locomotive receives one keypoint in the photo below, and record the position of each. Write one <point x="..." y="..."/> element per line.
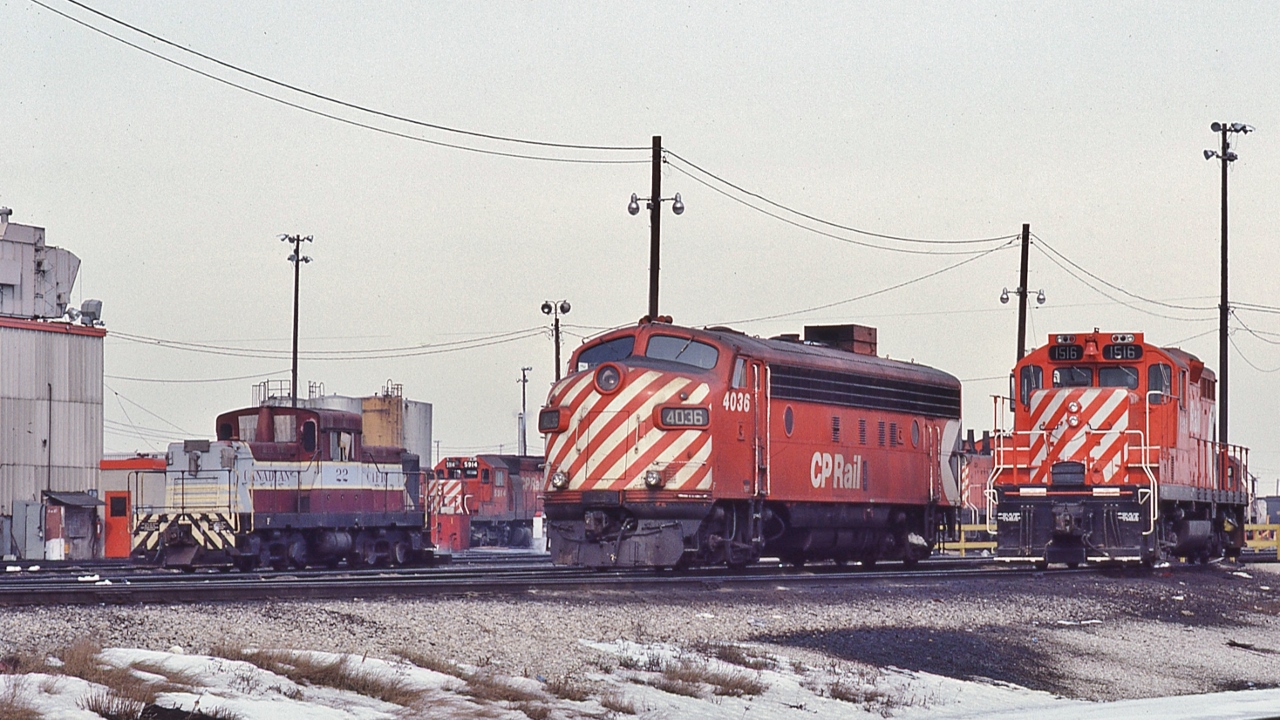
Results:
<point x="671" y="446"/>
<point x="1112" y="457"/>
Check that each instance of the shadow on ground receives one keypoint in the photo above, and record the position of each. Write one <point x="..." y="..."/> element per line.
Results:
<point x="982" y="653"/>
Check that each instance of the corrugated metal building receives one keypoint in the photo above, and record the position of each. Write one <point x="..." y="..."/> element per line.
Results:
<point x="50" y="402"/>
<point x="50" y="419"/>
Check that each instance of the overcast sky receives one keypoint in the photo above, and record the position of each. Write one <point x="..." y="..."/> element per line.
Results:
<point x="925" y="120"/>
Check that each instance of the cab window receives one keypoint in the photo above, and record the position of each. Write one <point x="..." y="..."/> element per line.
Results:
<point x="1031" y="378"/>
<point x="1118" y="376"/>
<point x="1159" y="380"/>
<point x="1072" y="377"/>
<point x="740" y="373"/>
<point x="686" y="351"/>
<point x="615" y="349"/>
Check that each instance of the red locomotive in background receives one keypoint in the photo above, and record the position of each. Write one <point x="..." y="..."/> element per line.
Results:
<point x="497" y="494"/>
<point x="1112" y="457"/>
<point x="671" y="446"/>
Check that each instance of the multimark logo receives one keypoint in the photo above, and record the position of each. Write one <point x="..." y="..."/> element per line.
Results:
<point x="834" y="469"/>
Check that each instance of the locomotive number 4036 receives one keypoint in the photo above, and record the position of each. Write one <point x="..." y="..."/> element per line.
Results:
<point x="737" y="402"/>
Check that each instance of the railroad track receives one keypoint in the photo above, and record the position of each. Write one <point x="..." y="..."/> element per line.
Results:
<point x="472" y="572"/>
<point x="161" y="587"/>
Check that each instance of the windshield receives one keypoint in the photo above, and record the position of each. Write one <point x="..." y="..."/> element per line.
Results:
<point x="615" y="349"/>
<point x="682" y="350"/>
<point x="1126" y="377"/>
<point x="1072" y="377"/>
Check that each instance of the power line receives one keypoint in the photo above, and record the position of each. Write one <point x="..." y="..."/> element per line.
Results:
<point x="196" y="382"/>
<point x="120" y="397"/>
<point x="1256" y="333"/>
<point x="330" y="355"/>
<point x="1068" y="270"/>
<point x="1113" y="286"/>
<point x="330" y="116"/>
<point x="1246" y="359"/>
<point x="353" y="106"/>
<point x="813" y="218"/>
<point x="873" y="293"/>
<point x="823" y="233"/>
<point x="1253" y="307"/>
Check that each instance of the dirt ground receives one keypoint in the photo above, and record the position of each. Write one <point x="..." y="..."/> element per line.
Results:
<point x="1109" y="636"/>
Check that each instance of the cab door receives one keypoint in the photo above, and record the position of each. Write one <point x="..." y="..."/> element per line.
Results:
<point x="116" y="541"/>
<point x="760" y="418"/>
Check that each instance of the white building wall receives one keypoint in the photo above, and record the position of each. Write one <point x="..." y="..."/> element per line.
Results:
<point x="50" y="409"/>
<point x="417" y="431"/>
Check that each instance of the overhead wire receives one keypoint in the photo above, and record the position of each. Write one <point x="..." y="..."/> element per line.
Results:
<point x="130" y="424"/>
<point x="1256" y="333"/>
<point x="873" y="293"/>
<point x="1254" y="307"/>
<point x="1043" y="244"/>
<point x="120" y="397"/>
<point x="331" y="116"/>
<point x="196" y="381"/>
<point x="807" y="216"/>
<point x="337" y="355"/>
<point x="1250" y="363"/>
<point x="1068" y="269"/>
<point x="823" y="233"/>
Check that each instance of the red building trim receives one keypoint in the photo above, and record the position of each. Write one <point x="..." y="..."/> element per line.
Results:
<point x="51" y="327"/>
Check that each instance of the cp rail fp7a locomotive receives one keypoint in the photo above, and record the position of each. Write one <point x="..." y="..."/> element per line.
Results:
<point x="1112" y="457"/>
<point x="285" y="487"/>
<point x="671" y="446"/>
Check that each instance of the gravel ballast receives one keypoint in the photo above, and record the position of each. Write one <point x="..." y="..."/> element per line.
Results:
<point x="1118" y="635"/>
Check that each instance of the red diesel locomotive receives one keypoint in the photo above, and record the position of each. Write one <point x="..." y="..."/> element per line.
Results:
<point x="1112" y="457"/>
<point x="671" y="446"/>
<point x="499" y="495"/>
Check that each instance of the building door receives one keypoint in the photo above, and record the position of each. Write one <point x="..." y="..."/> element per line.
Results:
<point x="117" y="541"/>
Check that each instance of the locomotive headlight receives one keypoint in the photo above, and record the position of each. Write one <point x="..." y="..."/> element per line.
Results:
<point x="653" y="479"/>
<point x="1073" y="421"/>
<point x="559" y="480"/>
<point x="608" y="377"/>
<point x="1073" y="406"/>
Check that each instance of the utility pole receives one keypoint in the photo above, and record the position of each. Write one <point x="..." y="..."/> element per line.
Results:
<point x="655" y="220"/>
<point x="1227" y="156"/>
<point x="523" y="443"/>
<point x="1022" y="292"/>
<point x="297" y="258"/>
<point x="655" y="201"/>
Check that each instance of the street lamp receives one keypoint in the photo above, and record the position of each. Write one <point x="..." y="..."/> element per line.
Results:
<point x="1227" y="156"/>
<point x="654" y="204"/>
<point x="297" y="258"/>
<point x="556" y="309"/>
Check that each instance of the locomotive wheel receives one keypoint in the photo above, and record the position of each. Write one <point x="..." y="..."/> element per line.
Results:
<point x="399" y="553"/>
<point x="246" y="563"/>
